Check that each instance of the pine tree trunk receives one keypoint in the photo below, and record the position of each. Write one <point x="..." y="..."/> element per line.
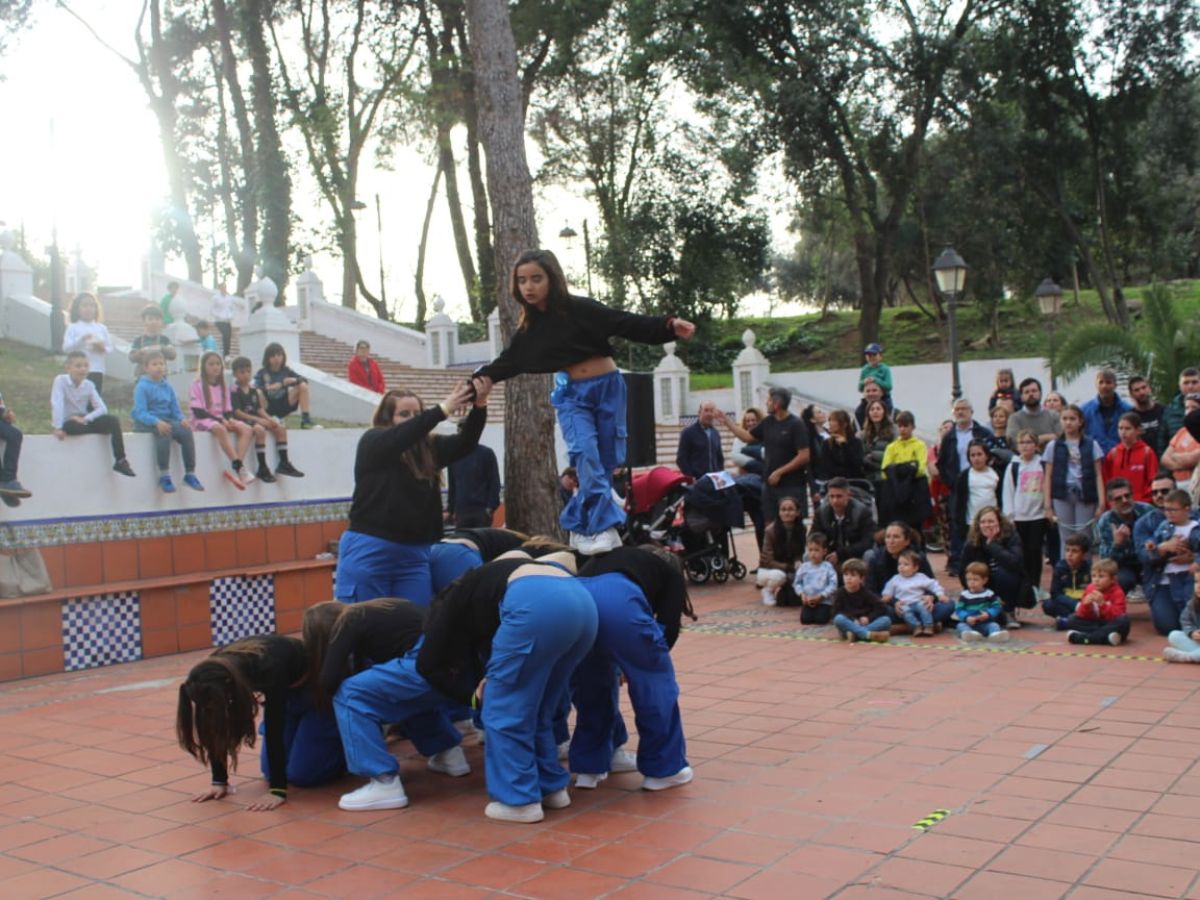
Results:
<point x="531" y="500"/>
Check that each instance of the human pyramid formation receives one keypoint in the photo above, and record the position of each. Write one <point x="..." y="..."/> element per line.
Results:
<point x="487" y="627"/>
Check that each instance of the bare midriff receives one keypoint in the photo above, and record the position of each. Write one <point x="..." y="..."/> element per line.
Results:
<point x="590" y="368"/>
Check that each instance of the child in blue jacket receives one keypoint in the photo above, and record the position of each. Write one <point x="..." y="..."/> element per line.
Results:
<point x="156" y="411"/>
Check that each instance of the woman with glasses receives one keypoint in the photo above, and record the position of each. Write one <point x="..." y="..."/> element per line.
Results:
<point x="396" y="511"/>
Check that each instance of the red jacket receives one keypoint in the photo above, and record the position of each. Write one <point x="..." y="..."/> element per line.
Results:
<point x="1113" y="605"/>
<point x="1138" y="463"/>
<point x="371" y="378"/>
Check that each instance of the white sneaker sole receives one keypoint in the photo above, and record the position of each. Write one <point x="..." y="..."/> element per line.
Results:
<point x="393" y="803"/>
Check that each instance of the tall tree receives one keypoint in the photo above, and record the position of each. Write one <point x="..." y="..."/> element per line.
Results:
<point x="529" y="470"/>
<point x="371" y="46"/>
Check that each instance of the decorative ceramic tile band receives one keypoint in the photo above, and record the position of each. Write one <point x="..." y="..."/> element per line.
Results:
<point x="53" y="532"/>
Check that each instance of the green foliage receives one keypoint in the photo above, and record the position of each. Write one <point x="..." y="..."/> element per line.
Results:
<point x="1158" y="348"/>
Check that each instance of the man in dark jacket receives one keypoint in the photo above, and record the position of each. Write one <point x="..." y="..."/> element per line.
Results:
<point x="952" y="459"/>
<point x="474" y="490"/>
<point x="1174" y="412"/>
<point x="700" y="445"/>
<point x="848" y="524"/>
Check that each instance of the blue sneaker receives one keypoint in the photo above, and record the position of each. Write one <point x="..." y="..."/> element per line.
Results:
<point x="1060" y="623"/>
<point x="193" y="482"/>
<point x="167" y="485"/>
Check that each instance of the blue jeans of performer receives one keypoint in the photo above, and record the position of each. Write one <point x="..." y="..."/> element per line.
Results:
<point x="845" y="624"/>
<point x="916" y="615"/>
<point x="591" y="414"/>
<point x="390" y="692"/>
<point x="448" y="561"/>
<point x="1168" y="601"/>
<point x="162" y="445"/>
<point x="987" y="629"/>
<point x="547" y="624"/>
<point x="12" y="437"/>
<point x="314" y="747"/>
<point x="369" y="568"/>
<point x="627" y="638"/>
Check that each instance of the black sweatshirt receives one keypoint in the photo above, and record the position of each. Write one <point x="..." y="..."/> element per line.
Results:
<point x="663" y="586"/>
<point x="271" y="673"/>
<point x="490" y="542"/>
<point x="577" y="331"/>
<point x="369" y="633"/>
<point x="389" y="501"/>
<point x="460" y="626"/>
<point x="858" y="604"/>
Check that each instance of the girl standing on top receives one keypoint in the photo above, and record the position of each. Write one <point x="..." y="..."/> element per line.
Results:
<point x="87" y="333"/>
<point x="396" y="511"/>
<point x="562" y="333"/>
<point x="212" y="411"/>
<point x="218" y="704"/>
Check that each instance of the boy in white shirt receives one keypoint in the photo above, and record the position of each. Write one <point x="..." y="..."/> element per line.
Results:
<point x="76" y="408"/>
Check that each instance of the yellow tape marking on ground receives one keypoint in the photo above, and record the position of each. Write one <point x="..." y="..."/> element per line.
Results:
<point x="930" y="820"/>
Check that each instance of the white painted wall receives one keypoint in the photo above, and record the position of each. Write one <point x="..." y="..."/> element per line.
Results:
<point x="393" y="341"/>
<point x="26" y="320"/>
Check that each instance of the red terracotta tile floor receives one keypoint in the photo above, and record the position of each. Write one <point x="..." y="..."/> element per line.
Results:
<point x="1046" y="770"/>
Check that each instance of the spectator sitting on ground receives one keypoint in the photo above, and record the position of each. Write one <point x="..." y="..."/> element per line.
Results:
<point x="815" y="583"/>
<point x="847" y="524"/>
<point x="884" y="565"/>
<point x="978" y="610"/>
<point x="151" y="339"/>
<point x="1171" y="552"/>
<point x="1033" y="416"/>
<point x="912" y="593"/>
<point x="1184" y="645"/>
<point x="1100" y="616"/>
<point x="782" y="550"/>
<point x="994" y="541"/>
<point x="1132" y="460"/>
<point x="1102" y="412"/>
<point x="858" y="612"/>
<point x="1147" y="524"/>
<point x="1114" y="532"/>
<point x="699" y="450"/>
<point x="1150" y="412"/>
<point x="364" y="371"/>
<point x="1070" y="577"/>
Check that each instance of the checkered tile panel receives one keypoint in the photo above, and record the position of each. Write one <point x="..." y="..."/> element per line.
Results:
<point x="241" y="607"/>
<point x="100" y="631"/>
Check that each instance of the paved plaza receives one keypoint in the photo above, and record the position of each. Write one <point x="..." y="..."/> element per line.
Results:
<point x="918" y="768"/>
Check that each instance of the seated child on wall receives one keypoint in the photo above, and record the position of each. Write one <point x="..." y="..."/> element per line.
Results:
<point x="1100" y="616"/>
<point x="978" y="610"/>
<point x="815" y="583"/>
<point x="858" y="613"/>
<point x="156" y="411"/>
<point x="11" y="491"/>
<point x="1069" y="578"/>
<point x="907" y="590"/>
<point x="77" y="408"/>
<point x="249" y="406"/>
<point x="151" y="339"/>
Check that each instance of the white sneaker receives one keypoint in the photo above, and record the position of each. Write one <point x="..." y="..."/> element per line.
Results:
<point x="768" y="597"/>
<point x="564" y="750"/>
<point x="595" y="544"/>
<point x="998" y="637"/>
<point x="248" y="477"/>
<point x="972" y="636"/>
<point x="450" y="762"/>
<point x="683" y="776"/>
<point x="589" y="782"/>
<point x="528" y="813"/>
<point x="1174" y="654"/>
<point x="560" y="799"/>
<point x="376" y="794"/>
<point x="466" y="727"/>
<point x="1137" y="595"/>
<point x="623" y="761"/>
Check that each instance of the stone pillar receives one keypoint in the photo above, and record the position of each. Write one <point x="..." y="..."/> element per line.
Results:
<point x="441" y="334"/>
<point x="670" y="387"/>
<point x="269" y="325"/>
<point x="750" y="370"/>
<point x="308" y="288"/>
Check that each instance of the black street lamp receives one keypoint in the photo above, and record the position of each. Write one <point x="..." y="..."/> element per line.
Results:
<point x="1049" y="298"/>
<point x="951" y="274"/>
<point x="568" y="234"/>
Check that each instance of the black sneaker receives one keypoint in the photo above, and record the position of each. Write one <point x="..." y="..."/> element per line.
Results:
<point x="264" y="475"/>
<point x="13" y="489"/>
<point x="1076" y="637"/>
<point x="306" y="422"/>
<point x="122" y="466"/>
<point x="286" y="468"/>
